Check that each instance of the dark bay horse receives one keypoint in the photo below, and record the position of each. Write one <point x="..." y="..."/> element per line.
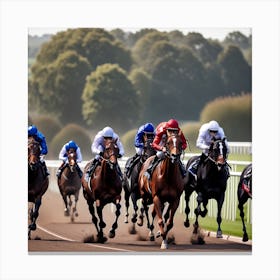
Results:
<point x="69" y="184"/>
<point x="211" y="182"/>
<point x="166" y="186"/>
<point x="104" y="187"/>
<point x="130" y="185"/>
<point x="37" y="182"/>
<point x="244" y="192"/>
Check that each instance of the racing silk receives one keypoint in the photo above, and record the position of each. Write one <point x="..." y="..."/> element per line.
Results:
<point x="161" y="137"/>
<point x="204" y="138"/>
<point x="63" y="154"/>
<point x="39" y="137"/>
<point x="98" y="143"/>
<point x="138" y="141"/>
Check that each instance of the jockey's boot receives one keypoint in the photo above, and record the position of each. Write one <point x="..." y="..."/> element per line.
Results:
<point x="80" y="172"/>
<point x="59" y="170"/>
<point x="45" y="169"/>
<point x="193" y="168"/>
<point x="182" y="169"/>
<point x="151" y="167"/>
<point x="130" y="164"/>
<point x="91" y="169"/>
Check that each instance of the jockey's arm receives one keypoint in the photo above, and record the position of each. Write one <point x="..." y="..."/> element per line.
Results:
<point x="62" y="154"/>
<point x="79" y="155"/>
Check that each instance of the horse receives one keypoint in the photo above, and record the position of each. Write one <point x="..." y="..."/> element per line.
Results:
<point x="165" y="186"/>
<point x="37" y="183"/>
<point x="212" y="176"/>
<point x="244" y="192"/>
<point x="103" y="187"/>
<point x="69" y="184"/>
<point x="131" y="188"/>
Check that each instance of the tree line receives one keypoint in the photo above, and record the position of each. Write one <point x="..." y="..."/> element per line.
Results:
<point x="95" y="77"/>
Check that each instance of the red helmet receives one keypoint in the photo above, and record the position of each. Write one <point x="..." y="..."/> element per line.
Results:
<point x="172" y="124"/>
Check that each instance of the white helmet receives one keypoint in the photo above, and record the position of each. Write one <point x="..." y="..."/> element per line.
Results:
<point x="108" y="132"/>
<point x="213" y="125"/>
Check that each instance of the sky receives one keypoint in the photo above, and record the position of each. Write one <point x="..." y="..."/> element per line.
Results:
<point x="214" y="33"/>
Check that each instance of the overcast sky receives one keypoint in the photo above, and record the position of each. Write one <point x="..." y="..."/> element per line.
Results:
<point x="214" y="33"/>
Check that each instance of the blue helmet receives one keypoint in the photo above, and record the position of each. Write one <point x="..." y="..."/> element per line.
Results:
<point x="71" y="145"/>
<point x="149" y="128"/>
<point x="32" y="130"/>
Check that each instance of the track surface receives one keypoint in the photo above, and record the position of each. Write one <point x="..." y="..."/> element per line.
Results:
<point x="56" y="233"/>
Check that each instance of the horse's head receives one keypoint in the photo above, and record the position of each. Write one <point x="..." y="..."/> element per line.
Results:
<point x="111" y="152"/>
<point x="218" y="152"/>
<point x="34" y="151"/>
<point x="174" y="146"/>
<point x="72" y="157"/>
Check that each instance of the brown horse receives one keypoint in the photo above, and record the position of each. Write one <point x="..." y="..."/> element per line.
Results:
<point x="104" y="187"/>
<point x="166" y="186"/>
<point x="69" y="184"/>
<point x="37" y="182"/>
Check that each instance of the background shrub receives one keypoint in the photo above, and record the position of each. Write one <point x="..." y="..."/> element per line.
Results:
<point x="233" y="113"/>
<point x="48" y="125"/>
<point x="71" y="132"/>
<point x="190" y="130"/>
<point x="128" y="142"/>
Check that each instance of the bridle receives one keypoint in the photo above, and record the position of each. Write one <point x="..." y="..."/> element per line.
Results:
<point x="176" y="143"/>
<point x="33" y="153"/>
<point x="220" y="159"/>
<point x="110" y="153"/>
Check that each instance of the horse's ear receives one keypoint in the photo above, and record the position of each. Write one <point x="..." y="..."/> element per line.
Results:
<point x="116" y="140"/>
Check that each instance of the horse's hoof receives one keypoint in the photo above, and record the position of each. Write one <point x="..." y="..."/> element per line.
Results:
<point x="112" y="234"/>
<point x="219" y="234"/>
<point x="76" y="214"/>
<point x="158" y="234"/>
<point x="164" y="245"/>
<point x="66" y="212"/>
<point x="32" y="227"/>
<point x="245" y="237"/>
<point x="126" y="220"/>
<point x="152" y="238"/>
<point x="140" y="224"/>
<point x="186" y="224"/>
<point x="132" y="230"/>
<point x="102" y="224"/>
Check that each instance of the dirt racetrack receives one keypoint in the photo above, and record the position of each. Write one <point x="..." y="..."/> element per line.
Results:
<point x="56" y="233"/>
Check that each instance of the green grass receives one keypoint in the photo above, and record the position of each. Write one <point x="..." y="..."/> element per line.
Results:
<point x="228" y="227"/>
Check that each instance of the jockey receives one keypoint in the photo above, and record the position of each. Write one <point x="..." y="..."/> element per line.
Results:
<point x="39" y="137"/>
<point x="207" y="132"/>
<point x="164" y="130"/>
<point x="97" y="149"/>
<point x="144" y="130"/>
<point x="63" y="155"/>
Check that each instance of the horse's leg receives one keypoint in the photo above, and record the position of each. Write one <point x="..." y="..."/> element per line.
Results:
<point x="126" y="198"/>
<point x="141" y="216"/>
<point x="158" y="207"/>
<point x="76" y="202"/>
<point x="220" y="202"/>
<point x="188" y="192"/>
<point x="240" y="206"/>
<point x="66" y="209"/>
<point x="197" y="212"/>
<point x="151" y="234"/>
<point x="35" y="213"/>
<point x="99" y="209"/>
<point x="94" y="219"/>
<point x="172" y="209"/>
<point x="112" y="232"/>
<point x="135" y="207"/>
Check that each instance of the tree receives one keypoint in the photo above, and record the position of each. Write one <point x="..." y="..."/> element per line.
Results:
<point x="236" y="72"/>
<point x="205" y="50"/>
<point x="238" y="39"/>
<point x="57" y="87"/>
<point x="109" y="98"/>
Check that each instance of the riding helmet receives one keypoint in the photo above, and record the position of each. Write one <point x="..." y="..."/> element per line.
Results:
<point x="213" y="126"/>
<point x="149" y="128"/>
<point x="172" y="124"/>
<point x="71" y="145"/>
<point x="108" y="132"/>
<point x="32" y="130"/>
